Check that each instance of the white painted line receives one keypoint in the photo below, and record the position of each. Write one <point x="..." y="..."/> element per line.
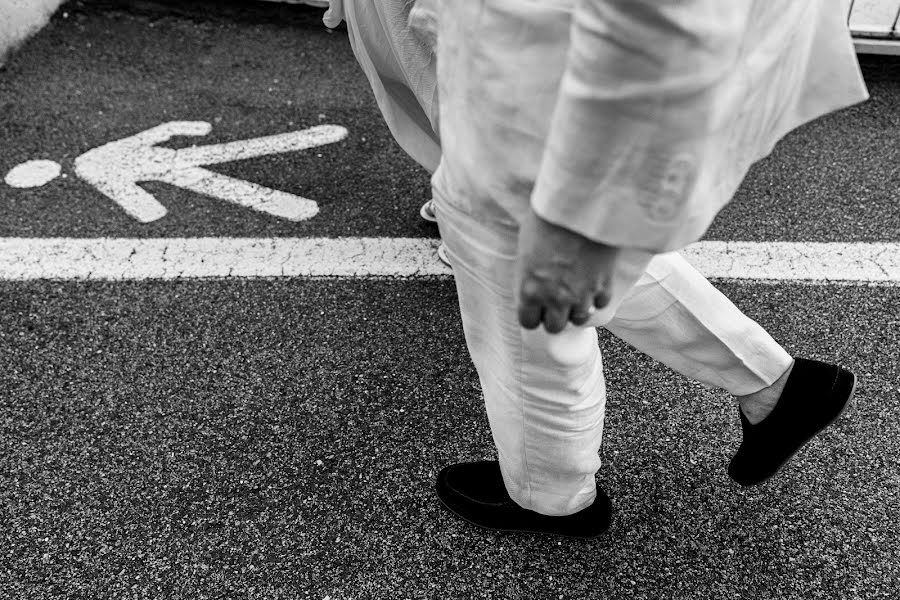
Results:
<point x="173" y="258"/>
<point x="116" y="168"/>
<point x="797" y="261"/>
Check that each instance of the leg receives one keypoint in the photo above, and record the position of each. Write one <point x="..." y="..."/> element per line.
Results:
<point x="676" y="316"/>
<point x="544" y="394"/>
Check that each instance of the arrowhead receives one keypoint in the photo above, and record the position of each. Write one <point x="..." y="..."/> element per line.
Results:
<point x="116" y="168"/>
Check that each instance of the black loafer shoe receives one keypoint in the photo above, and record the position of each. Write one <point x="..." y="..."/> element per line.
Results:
<point x="475" y="493"/>
<point x="815" y="395"/>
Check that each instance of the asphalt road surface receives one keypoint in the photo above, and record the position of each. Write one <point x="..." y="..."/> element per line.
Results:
<point x="279" y="438"/>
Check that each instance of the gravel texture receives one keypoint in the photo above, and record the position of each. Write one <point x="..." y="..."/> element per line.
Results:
<point x="279" y="439"/>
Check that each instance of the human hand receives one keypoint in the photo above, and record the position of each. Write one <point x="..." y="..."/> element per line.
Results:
<point x="561" y="276"/>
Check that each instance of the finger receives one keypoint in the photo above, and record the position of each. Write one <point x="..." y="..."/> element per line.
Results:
<point x="556" y="318"/>
<point x="601" y="299"/>
<point x="529" y="315"/>
<point x="581" y="314"/>
<point x="530" y="304"/>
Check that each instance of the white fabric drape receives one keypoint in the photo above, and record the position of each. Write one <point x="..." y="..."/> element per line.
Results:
<point x="399" y="65"/>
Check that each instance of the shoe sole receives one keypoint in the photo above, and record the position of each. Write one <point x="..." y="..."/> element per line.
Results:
<point x="458" y="515"/>
<point x="442" y="254"/>
<point x="847" y="405"/>
<point x="427" y="214"/>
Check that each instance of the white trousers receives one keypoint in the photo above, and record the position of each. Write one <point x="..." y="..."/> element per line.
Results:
<point x="545" y="394"/>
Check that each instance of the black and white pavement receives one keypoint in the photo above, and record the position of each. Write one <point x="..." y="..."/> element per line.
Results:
<point x="179" y="418"/>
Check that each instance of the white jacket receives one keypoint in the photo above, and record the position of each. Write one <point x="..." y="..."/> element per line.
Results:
<point x="658" y="107"/>
<point x="665" y="104"/>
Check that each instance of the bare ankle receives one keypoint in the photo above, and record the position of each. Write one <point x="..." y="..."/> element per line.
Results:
<point x="758" y="405"/>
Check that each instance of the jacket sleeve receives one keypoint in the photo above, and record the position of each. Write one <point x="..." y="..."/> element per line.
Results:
<point x="629" y="132"/>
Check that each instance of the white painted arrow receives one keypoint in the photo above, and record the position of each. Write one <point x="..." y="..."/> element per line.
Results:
<point x="116" y="168"/>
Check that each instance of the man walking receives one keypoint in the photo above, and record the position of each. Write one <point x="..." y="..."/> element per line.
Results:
<point x="582" y="143"/>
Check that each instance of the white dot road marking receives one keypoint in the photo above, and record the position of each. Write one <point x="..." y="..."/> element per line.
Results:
<point x="33" y="173"/>
<point x="175" y="258"/>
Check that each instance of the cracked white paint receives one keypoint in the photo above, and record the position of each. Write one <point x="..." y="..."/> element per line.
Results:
<point x="116" y="168"/>
<point x="792" y="261"/>
<point x="173" y="258"/>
